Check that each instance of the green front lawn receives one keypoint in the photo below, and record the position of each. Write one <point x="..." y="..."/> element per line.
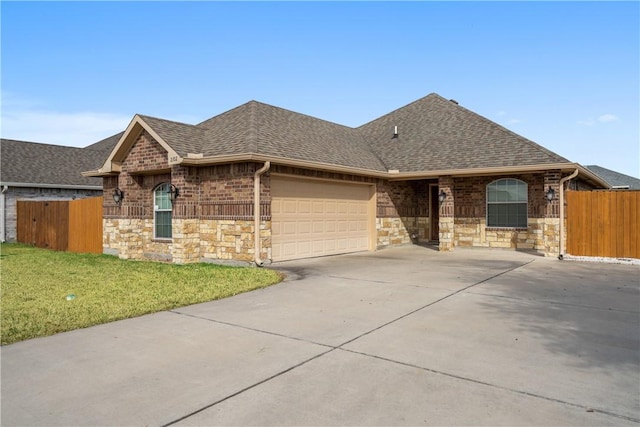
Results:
<point x="44" y="292"/>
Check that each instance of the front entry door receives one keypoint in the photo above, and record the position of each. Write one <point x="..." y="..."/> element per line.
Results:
<point x="434" y="213"/>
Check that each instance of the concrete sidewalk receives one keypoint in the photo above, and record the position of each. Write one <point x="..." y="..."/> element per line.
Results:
<point x="403" y="336"/>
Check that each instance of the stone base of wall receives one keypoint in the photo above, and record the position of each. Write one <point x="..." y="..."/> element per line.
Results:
<point x="391" y="231"/>
<point x="232" y="240"/>
<point x="446" y="228"/>
<point x="220" y="241"/>
<point x="417" y="227"/>
<point x="551" y="237"/>
<point x="540" y="235"/>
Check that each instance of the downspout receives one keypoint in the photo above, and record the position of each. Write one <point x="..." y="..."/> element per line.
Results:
<point x="562" y="181"/>
<point x="256" y="213"/>
<point x="3" y="215"/>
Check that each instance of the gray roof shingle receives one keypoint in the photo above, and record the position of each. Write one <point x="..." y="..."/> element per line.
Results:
<point x="615" y="179"/>
<point x="255" y="127"/>
<point x="45" y="164"/>
<point x="437" y="134"/>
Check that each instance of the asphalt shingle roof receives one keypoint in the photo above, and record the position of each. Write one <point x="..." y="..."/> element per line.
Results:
<point x="433" y="134"/>
<point x="437" y="134"/>
<point x="255" y="127"/>
<point x="615" y="179"/>
<point x="35" y="163"/>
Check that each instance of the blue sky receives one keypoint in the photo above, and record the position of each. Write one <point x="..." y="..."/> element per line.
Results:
<point x="564" y="74"/>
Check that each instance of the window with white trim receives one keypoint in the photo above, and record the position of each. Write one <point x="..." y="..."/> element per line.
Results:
<point x="162" y="213"/>
<point x="507" y="203"/>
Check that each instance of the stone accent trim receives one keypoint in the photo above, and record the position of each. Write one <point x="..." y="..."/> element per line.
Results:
<point x="446" y="227"/>
<point x="391" y="231"/>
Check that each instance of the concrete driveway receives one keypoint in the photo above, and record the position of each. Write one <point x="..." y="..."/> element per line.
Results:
<point x="403" y="336"/>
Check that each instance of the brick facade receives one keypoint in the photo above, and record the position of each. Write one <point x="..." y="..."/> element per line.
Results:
<point x="213" y="216"/>
<point x="470" y="211"/>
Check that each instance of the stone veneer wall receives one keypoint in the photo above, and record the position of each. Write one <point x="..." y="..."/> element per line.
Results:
<point x="469" y="222"/>
<point x="446" y="225"/>
<point x="212" y="218"/>
<point x="232" y="240"/>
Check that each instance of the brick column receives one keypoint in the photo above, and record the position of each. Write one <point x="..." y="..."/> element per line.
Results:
<point x="445" y="183"/>
<point x="551" y="225"/>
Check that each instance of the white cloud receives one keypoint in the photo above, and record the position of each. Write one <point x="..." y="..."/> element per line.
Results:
<point x="608" y="118"/>
<point x="605" y="118"/>
<point x="76" y="129"/>
<point x="502" y="113"/>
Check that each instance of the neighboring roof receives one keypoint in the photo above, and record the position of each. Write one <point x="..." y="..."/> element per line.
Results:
<point x="107" y="144"/>
<point x="435" y="137"/>
<point x="44" y="165"/>
<point x="616" y="179"/>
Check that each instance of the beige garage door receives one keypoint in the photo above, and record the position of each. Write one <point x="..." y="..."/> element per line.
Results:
<point x="315" y="218"/>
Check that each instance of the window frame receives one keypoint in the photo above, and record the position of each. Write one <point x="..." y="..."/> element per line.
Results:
<point x="519" y="203"/>
<point x="164" y="187"/>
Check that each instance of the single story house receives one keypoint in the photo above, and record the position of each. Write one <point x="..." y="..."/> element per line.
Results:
<point x="260" y="183"/>
<point x="34" y="171"/>
<point x="617" y="180"/>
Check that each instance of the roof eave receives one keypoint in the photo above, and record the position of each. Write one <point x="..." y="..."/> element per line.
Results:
<point x="43" y="185"/>
<point x="405" y="176"/>
<point x="197" y="160"/>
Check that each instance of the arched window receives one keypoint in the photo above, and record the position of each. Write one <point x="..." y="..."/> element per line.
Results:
<point x="507" y="203"/>
<point x="161" y="212"/>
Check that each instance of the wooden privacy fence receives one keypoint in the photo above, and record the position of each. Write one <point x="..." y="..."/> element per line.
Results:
<point x="70" y="225"/>
<point x="603" y="223"/>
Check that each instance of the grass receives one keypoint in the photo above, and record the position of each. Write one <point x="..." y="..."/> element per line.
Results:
<point x="37" y="288"/>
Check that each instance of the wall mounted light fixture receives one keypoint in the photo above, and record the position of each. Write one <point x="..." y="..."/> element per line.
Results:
<point x="550" y="194"/>
<point x="174" y="192"/>
<point x="442" y="196"/>
<point x="118" y="196"/>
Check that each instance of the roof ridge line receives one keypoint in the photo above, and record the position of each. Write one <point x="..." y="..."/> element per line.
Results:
<point x="43" y="144"/>
<point x="253" y="126"/>
<point x="432" y="94"/>
<point x="303" y="114"/>
<point x="142" y="116"/>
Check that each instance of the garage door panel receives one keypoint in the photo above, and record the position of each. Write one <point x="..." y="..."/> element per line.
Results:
<point x="289" y="228"/>
<point x="318" y="207"/>
<point x="289" y="206"/>
<point x="318" y="227"/>
<point x="304" y="207"/>
<point x="304" y="227"/>
<point x="314" y="218"/>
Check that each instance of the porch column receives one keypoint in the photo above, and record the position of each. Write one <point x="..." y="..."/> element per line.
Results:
<point x="445" y="183"/>
<point x="551" y="225"/>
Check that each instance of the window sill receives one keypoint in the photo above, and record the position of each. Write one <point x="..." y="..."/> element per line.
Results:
<point x="489" y="228"/>
<point x="161" y="240"/>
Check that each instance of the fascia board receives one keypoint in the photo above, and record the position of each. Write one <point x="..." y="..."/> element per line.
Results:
<point x="113" y="163"/>
<point x="41" y="185"/>
<point x="253" y="157"/>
